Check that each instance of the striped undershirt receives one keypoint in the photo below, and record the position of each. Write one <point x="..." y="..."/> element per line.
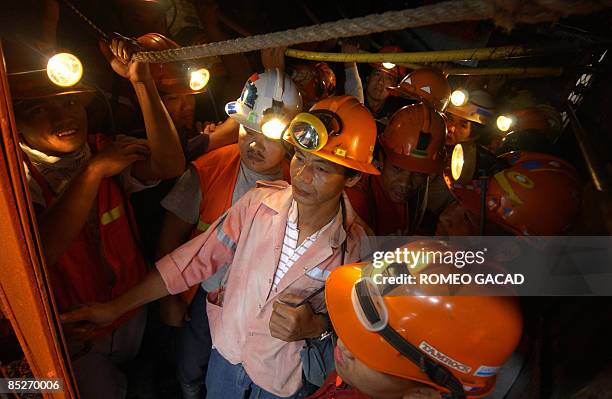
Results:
<point x="291" y="251"/>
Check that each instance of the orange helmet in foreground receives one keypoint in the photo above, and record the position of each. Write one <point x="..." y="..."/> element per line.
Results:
<point x="456" y="344"/>
<point x="174" y="77"/>
<point x="414" y="139"/>
<point x="425" y="84"/>
<point x="339" y="129"/>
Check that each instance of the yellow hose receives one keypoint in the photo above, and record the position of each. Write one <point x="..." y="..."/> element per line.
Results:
<point x="408" y="60"/>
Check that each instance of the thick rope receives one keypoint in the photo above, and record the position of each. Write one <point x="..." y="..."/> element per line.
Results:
<point x="504" y="13"/>
<point x="447" y="11"/>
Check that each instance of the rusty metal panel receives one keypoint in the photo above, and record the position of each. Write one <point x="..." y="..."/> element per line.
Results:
<point x="24" y="289"/>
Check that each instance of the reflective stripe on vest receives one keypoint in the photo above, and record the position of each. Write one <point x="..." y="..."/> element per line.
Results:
<point x="111" y="215"/>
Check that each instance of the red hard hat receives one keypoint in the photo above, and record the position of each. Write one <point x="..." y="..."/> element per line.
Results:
<point x="425" y="84"/>
<point x="414" y="139"/>
<point x="538" y="195"/>
<point x="171" y="77"/>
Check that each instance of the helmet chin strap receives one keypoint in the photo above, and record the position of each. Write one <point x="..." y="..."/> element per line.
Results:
<point x="436" y="372"/>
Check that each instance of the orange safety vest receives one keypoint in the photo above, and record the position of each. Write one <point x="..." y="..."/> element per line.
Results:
<point x="81" y="275"/>
<point x="218" y="172"/>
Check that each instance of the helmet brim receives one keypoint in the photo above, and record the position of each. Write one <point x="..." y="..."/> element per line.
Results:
<point x="347" y="162"/>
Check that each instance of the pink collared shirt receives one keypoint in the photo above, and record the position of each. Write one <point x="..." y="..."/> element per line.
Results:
<point x="249" y="237"/>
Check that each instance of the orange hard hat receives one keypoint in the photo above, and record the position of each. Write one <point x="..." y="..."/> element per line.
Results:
<point x="339" y="129"/>
<point x="455" y="343"/>
<point x="414" y="139"/>
<point x="390" y="68"/>
<point x="425" y="84"/>
<point x="538" y="195"/>
<point x="315" y="82"/>
<point x="172" y="77"/>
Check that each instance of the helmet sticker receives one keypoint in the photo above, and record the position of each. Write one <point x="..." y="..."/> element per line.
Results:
<point x="486" y="371"/>
<point x="442" y="358"/>
<point x="249" y="94"/>
<point x="507" y="187"/>
<point x="426" y="89"/>
<point x="521" y="179"/>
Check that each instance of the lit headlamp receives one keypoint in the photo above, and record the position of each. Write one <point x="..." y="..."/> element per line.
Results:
<point x="199" y="79"/>
<point x="274" y="121"/>
<point x="505" y="122"/>
<point x="459" y="97"/>
<point x="470" y="161"/>
<point x="311" y="130"/>
<point x="64" y="69"/>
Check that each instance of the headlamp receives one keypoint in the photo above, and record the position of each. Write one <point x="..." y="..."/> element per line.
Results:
<point x="311" y="130"/>
<point x="199" y="79"/>
<point x="64" y="69"/>
<point x="274" y="121"/>
<point x="459" y="97"/>
<point x="388" y="65"/>
<point x="470" y="161"/>
<point x="505" y="122"/>
<point x="273" y="128"/>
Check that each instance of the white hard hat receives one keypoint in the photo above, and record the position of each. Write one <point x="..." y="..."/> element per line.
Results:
<point x="271" y="93"/>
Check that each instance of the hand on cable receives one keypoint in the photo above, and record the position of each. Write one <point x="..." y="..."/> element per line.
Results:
<point x="119" y="54"/>
<point x="273" y="58"/>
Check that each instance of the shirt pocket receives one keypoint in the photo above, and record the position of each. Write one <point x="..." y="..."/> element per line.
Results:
<point x="310" y="283"/>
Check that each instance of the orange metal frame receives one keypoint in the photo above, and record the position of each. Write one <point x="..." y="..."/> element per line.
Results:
<point x="24" y="289"/>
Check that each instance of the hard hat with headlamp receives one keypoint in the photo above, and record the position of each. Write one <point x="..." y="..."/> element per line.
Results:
<point x="32" y="75"/>
<point x="475" y="106"/>
<point x="541" y="117"/>
<point x="175" y="77"/>
<point x="527" y="194"/>
<point x="414" y="139"/>
<point x="456" y="344"/>
<point x="426" y="84"/>
<point x="339" y="129"/>
<point x="390" y="68"/>
<point x="267" y="103"/>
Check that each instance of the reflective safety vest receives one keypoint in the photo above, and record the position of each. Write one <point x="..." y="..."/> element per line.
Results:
<point x="218" y="173"/>
<point x="104" y="260"/>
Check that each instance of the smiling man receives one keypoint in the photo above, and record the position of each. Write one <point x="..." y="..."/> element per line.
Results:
<point x="271" y="250"/>
<point x="78" y="184"/>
